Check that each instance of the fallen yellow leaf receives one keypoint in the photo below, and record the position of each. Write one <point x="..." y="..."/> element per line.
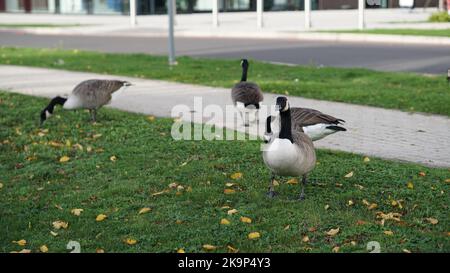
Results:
<point x="410" y="185"/>
<point x="130" y="241"/>
<point x="54" y="234"/>
<point x="275" y="183"/>
<point x="97" y="135"/>
<point x="232" y="211"/>
<point x="144" y="210"/>
<point x="113" y="158"/>
<point x="365" y="202"/>
<point x="209" y="247"/>
<point x="333" y="232"/>
<point x="336" y="249"/>
<point x="366" y="159"/>
<point x="20" y="242"/>
<point x="24" y="251"/>
<point x="372" y="206"/>
<point x="60" y="225"/>
<point x="237" y="175"/>
<point x="173" y="185"/>
<point x="181" y="250"/>
<point x="422" y="174"/>
<point x="447" y="180"/>
<point x="246" y="220"/>
<point x="99" y="250"/>
<point x="432" y="221"/>
<point x="230" y="185"/>
<point x="406" y="250"/>
<point x="388" y="232"/>
<point x="305" y="239"/>
<point x="292" y="181"/>
<point x="254" y="235"/>
<point x="151" y="118"/>
<point x="232" y="249"/>
<point x="350" y="174"/>
<point x="77" y="212"/>
<point x="43" y="249"/>
<point x="64" y="159"/>
<point x="159" y="193"/>
<point x="350" y="203"/>
<point x="327" y="207"/>
<point x="1" y="186"/>
<point x="229" y="191"/>
<point x="100" y="217"/>
<point x="224" y="222"/>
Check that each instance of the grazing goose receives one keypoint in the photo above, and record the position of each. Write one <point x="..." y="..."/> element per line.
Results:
<point x="246" y="96"/>
<point x="90" y="94"/>
<point x="291" y="153"/>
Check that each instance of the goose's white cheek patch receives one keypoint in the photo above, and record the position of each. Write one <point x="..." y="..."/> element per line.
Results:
<point x="47" y="114"/>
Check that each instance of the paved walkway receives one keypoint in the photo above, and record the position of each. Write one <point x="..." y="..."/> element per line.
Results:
<point x="277" y="25"/>
<point x="371" y="131"/>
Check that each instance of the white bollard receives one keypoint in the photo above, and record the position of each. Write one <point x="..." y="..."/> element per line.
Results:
<point x="307" y="14"/>
<point x="361" y="20"/>
<point x="172" y="59"/>
<point x="215" y="13"/>
<point x="133" y="13"/>
<point x="259" y="13"/>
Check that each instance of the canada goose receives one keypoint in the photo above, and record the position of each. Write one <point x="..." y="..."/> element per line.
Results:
<point x="291" y="153"/>
<point x="246" y="96"/>
<point x="90" y="94"/>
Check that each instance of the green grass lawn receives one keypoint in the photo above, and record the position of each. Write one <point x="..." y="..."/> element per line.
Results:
<point x="405" y="91"/>
<point x="404" y="31"/>
<point x="26" y="25"/>
<point x="37" y="189"/>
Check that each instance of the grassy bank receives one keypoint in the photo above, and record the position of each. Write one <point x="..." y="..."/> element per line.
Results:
<point x="126" y="162"/>
<point x="409" y="92"/>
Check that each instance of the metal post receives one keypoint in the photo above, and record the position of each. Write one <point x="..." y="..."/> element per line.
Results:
<point x="133" y="13"/>
<point x="259" y="13"/>
<point x="361" y="20"/>
<point x="215" y="13"/>
<point x="170" y="7"/>
<point x="441" y="4"/>
<point x="174" y="12"/>
<point x="307" y="14"/>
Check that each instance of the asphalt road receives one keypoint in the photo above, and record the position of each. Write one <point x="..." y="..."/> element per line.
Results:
<point x="387" y="57"/>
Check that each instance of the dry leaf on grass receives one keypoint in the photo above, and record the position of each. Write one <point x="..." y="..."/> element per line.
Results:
<point x="333" y="232"/>
<point x="130" y="241"/>
<point x="232" y="211"/>
<point x="410" y="185"/>
<point x="292" y="181"/>
<point x="229" y="191"/>
<point x="76" y="212"/>
<point x="1" y="186"/>
<point x="422" y="174"/>
<point x="159" y="193"/>
<point x="232" y="249"/>
<point x="336" y="249"/>
<point x="254" y="235"/>
<point x="246" y="220"/>
<point x="60" y="225"/>
<point x="305" y="239"/>
<point x="432" y="221"/>
<point x="236" y="176"/>
<point x="101" y="217"/>
<point x="209" y="247"/>
<point x="20" y="242"/>
<point x="224" y="222"/>
<point x="350" y="174"/>
<point x="113" y="158"/>
<point x="64" y="159"/>
<point x="144" y="210"/>
<point x="388" y="232"/>
<point x="181" y="250"/>
<point x="366" y="159"/>
<point x="43" y="249"/>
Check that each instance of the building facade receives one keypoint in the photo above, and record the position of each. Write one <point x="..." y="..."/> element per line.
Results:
<point x="183" y="6"/>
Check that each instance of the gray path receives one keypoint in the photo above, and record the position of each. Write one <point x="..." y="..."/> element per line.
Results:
<point x="430" y="59"/>
<point x="371" y="131"/>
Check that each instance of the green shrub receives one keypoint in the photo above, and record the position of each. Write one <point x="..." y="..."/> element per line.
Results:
<point x="441" y="16"/>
